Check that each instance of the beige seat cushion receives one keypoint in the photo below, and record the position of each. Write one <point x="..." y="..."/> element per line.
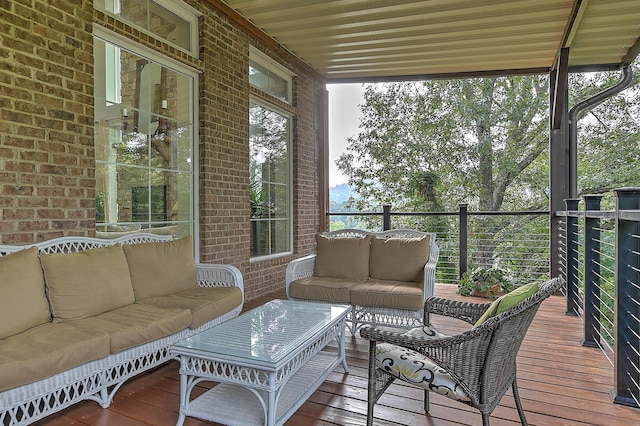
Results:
<point x="204" y="303"/>
<point x="342" y="257"/>
<point x="24" y="304"/>
<point x="161" y="268"/>
<point x="87" y="282"/>
<point x="326" y="289"/>
<point x="399" y="259"/>
<point x="135" y="324"/>
<point x="46" y="350"/>
<point x="388" y="294"/>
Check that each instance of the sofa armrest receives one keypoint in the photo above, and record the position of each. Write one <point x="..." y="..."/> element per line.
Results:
<point x="298" y="269"/>
<point x="218" y="275"/>
<point x="430" y="271"/>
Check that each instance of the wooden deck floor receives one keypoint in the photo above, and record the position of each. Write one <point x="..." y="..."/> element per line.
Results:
<point x="561" y="383"/>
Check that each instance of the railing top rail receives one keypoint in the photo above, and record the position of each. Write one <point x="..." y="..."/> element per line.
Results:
<point x="591" y="214"/>
<point x="453" y="213"/>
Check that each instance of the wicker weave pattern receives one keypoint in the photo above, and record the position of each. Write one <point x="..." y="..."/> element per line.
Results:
<point x="482" y="360"/>
<point x="99" y="380"/>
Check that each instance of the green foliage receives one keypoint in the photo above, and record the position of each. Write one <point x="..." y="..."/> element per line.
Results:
<point x="485" y="281"/>
<point x="429" y="146"/>
<point x="100" y="197"/>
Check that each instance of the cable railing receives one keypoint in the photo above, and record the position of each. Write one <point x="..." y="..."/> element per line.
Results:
<point x="517" y="242"/>
<point x="600" y="260"/>
<point x="598" y="255"/>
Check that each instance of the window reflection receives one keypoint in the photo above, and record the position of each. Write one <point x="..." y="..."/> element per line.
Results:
<point x="144" y="144"/>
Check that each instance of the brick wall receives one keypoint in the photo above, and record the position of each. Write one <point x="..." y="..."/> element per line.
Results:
<point x="47" y="158"/>
<point x="46" y="120"/>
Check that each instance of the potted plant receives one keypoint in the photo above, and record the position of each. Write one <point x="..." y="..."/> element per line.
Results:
<point x="485" y="282"/>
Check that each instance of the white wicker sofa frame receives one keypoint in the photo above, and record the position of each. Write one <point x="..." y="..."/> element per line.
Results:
<point x="100" y="379"/>
<point x="381" y="316"/>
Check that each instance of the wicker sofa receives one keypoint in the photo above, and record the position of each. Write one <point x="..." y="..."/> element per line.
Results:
<point x="384" y="276"/>
<point x="79" y="316"/>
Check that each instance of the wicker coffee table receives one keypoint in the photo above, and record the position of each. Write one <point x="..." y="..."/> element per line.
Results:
<point x="268" y="361"/>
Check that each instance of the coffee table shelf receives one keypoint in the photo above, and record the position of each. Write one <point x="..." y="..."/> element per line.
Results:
<point x="267" y="361"/>
<point x="236" y="405"/>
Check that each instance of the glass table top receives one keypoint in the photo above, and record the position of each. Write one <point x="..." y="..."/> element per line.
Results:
<point x="268" y="333"/>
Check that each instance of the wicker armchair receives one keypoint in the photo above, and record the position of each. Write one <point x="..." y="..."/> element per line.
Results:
<point x="476" y="367"/>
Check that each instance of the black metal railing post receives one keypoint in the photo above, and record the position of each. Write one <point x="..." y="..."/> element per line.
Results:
<point x="627" y="297"/>
<point x="463" y="238"/>
<point x="591" y="272"/>
<point x="386" y="217"/>
<point x="571" y="277"/>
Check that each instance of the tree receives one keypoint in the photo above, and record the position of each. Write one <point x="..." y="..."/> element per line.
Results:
<point x="430" y="145"/>
<point x="473" y="137"/>
<point x="608" y="136"/>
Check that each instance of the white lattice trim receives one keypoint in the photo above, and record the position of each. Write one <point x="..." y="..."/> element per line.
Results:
<point x="96" y="380"/>
<point x="386" y="317"/>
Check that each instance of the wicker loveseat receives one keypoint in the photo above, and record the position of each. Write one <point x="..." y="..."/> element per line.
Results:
<point x="79" y="316"/>
<point x="384" y="276"/>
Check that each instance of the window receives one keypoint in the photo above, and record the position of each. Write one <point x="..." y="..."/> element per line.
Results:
<point x="270" y="164"/>
<point x="172" y="20"/>
<point x="144" y="141"/>
<point x="269" y="77"/>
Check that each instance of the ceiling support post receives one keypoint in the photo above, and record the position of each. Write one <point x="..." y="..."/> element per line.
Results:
<point x="559" y="160"/>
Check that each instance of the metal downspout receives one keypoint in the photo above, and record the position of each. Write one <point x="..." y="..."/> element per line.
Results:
<point x="627" y="81"/>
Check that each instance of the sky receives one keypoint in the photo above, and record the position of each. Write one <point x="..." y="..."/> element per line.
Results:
<point x="344" y="119"/>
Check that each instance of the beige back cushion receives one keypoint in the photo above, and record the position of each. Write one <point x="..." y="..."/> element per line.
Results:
<point x="342" y="257"/>
<point x="87" y="283"/>
<point x="24" y="304"/>
<point x="399" y="259"/>
<point x="162" y="268"/>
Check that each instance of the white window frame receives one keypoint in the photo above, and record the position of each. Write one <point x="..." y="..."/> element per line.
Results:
<point x="290" y="117"/>
<point x="125" y="43"/>
<point x="282" y="72"/>
<point x="178" y="7"/>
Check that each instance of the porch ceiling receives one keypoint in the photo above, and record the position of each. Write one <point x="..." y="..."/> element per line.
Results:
<point x="377" y="40"/>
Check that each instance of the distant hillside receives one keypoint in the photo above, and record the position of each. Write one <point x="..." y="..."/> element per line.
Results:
<point x="339" y="194"/>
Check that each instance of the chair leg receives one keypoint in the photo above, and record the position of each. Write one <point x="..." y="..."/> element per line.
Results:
<point x="426" y="401"/>
<point x="371" y="383"/>
<point x="485" y="419"/>
<point x="516" y="396"/>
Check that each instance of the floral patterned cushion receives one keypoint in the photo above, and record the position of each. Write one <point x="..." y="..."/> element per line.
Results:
<point x="415" y="368"/>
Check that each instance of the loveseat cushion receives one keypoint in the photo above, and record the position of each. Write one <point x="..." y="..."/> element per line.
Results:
<point x="87" y="283"/>
<point x="335" y="290"/>
<point x="161" y="268"/>
<point x="46" y="350"/>
<point x="342" y="257"/>
<point x="388" y="294"/>
<point x="204" y="303"/>
<point x="24" y="304"/>
<point x="399" y="259"/>
<point x="135" y="324"/>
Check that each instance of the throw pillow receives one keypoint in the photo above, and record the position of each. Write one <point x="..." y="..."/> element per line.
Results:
<point x="508" y="301"/>
<point x="22" y="292"/>
<point x="342" y="257"/>
<point x="86" y="283"/>
<point x="399" y="259"/>
<point x="161" y="268"/>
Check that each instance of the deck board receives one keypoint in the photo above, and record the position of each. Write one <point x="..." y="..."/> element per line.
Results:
<point x="560" y="381"/>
